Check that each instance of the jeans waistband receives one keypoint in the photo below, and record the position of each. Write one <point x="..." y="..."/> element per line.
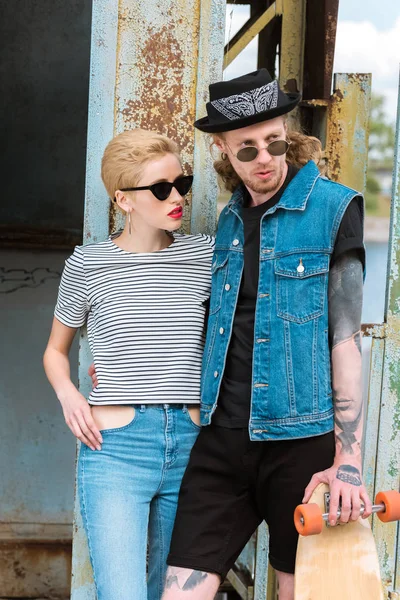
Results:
<point x="183" y="407"/>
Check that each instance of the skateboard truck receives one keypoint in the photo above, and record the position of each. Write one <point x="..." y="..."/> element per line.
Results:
<point x="375" y="509"/>
<point x="309" y="519"/>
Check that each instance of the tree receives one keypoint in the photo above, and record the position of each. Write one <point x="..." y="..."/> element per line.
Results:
<point x="381" y="150"/>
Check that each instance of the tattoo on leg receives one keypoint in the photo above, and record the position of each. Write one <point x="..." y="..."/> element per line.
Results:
<point x="191" y="580"/>
<point x="349" y="474"/>
<point x="194" y="580"/>
<point x="171" y="579"/>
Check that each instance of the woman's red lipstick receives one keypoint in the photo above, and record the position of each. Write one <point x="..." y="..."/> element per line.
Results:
<point x="176" y="213"/>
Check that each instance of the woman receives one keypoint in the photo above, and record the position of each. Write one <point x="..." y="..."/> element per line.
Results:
<point x="142" y="294"/>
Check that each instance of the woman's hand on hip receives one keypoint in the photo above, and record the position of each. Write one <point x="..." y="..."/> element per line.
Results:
<point x="78" y="417"/>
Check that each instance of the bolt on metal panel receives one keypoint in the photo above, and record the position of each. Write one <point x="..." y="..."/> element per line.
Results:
<point x="151" y="65"/>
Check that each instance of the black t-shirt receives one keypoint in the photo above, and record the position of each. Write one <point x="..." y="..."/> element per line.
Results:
<point x="233" y="408"/>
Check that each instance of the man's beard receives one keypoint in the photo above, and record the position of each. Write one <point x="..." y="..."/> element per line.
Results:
<point x="264" y="187"/>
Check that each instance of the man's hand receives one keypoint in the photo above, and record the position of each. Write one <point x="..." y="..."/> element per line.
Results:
<point x="346" y="487"/>
<point x="92" y="374"/>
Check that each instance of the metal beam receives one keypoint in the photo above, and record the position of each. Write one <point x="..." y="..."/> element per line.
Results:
<point x="388" y="457"/>
<point x="319" y="51"/>
<point x="249" y="31"/>
<point x="150" y="68"/>
<point x="292" y="43"/>
<point x="348" y="129"/>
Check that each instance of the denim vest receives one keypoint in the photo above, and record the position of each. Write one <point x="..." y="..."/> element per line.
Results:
<point x="291" y="381"/>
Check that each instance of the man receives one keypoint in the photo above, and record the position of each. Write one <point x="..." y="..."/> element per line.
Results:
<point x="281" y="383"/>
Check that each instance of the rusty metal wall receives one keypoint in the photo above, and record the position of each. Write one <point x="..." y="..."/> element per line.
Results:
<point x="151" y="65"/>
<point x="36" y="448"/>
<point x="387" y="474"/>
<point x="348" y="129"/>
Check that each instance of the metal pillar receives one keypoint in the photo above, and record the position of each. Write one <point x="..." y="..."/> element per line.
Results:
<point x="151" y="65"/>
<point x="348" y="129"/>
<point x="388" y="452"/>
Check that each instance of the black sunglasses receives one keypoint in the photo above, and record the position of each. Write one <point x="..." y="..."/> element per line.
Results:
<point x="275" y="148"/>
<point x="163" y="189"/>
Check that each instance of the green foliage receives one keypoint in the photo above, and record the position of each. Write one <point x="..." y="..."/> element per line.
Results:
<point x="382" y="133"/>
<point x="371" y="203"/>
<point x="381" y="154"/>
<point x="373" y="186"/>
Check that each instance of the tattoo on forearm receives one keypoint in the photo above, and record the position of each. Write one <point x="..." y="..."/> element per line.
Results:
<point x="185" y="582"/>
<point x="349" y="474"/>
<point x="345" y="305"/>
<point x="345" y="298"/>
<point x="348" y="428"/>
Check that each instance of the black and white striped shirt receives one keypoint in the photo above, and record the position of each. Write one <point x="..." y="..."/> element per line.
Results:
<point x="145" y="317"/>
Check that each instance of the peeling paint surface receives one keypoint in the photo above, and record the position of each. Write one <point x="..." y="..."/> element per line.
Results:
<point x="292" y="43"/>
<point x="348" y="129"/>
<point x="157" y="58"/>
<point x="151" y="64"/>
<point x="388" y="455"/>
<point x="372" y="419"/>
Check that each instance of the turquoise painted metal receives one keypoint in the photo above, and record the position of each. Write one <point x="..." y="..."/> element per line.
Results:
<point x="388" y="456"/>
<point x="150" y="68"/>
<point x="382" y="435"/>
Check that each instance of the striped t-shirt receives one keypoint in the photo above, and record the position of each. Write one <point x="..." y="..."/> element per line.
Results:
<point x="145" y="317"/>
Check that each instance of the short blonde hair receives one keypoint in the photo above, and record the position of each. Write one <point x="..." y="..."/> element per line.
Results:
<point x="126" y="156"/>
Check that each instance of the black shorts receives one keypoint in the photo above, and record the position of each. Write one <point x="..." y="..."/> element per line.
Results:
<point x="231" y="485"/>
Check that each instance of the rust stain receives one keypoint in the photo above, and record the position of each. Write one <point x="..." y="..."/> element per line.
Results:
<point x="162" y="66"/>
<point x="161" y="102"/>
<point x="35" y="569"/>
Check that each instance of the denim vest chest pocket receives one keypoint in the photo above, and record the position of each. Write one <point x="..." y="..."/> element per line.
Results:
<point x="301" y="280"/>
<point x="219" y="270"/>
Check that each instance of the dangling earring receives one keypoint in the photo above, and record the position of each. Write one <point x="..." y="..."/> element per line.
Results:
<point x="223" y="156"/>
<point x="129" y="223"/>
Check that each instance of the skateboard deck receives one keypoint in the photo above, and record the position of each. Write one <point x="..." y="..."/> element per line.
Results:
<point x="340" y="563"/>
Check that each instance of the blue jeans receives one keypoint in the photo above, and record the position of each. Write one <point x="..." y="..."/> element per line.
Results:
<point x="128" y="494"/>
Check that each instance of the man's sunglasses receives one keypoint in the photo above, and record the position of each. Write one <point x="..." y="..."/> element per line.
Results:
<point x="163" y="189"/>
<point x="275" y="148"/>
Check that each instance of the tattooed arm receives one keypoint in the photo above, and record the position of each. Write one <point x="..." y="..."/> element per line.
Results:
<point x="345" y="304"/>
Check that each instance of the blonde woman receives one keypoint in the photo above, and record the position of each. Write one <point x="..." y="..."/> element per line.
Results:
<point x="142" y="294"/>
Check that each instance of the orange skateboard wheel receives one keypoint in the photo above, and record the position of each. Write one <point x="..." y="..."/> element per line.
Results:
<point x="308" y="519"/>
<point x="391" y="500"/>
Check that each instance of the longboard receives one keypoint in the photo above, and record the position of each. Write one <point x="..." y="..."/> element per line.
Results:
<point x="341" y="562"/>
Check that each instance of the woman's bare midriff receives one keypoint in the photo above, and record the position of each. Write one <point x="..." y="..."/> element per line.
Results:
<point x="110" y="417"/>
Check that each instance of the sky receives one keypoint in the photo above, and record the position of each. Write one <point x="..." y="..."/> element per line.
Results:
<point x="367" y="41"/>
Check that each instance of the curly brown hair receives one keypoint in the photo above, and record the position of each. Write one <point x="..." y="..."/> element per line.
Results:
<point x="302" y="149"/>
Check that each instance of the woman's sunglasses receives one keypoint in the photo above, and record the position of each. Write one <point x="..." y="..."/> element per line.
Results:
<point x="275" y="148"/>
<point x="163" y="189"/>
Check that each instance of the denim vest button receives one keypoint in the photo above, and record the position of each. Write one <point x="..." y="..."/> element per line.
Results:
<point x="221" y="330"/>
<point x="227" y="287"/>
<point x="235" y="242"/>
<point x="301" y="268"/>
<point x="215" y="373"/>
